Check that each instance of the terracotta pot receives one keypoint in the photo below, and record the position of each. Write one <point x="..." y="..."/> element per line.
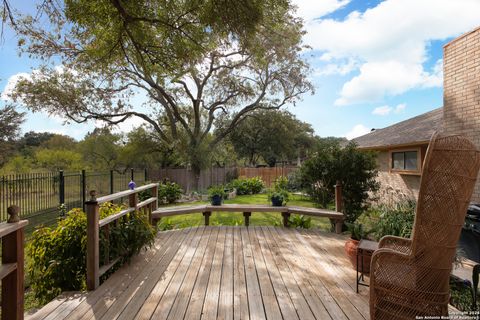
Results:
<point x="351" y="251"/>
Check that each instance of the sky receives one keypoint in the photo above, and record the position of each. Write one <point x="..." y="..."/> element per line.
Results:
<point x="375" y="63"/>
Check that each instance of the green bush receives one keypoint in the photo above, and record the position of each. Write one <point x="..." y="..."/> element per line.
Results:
<point x="247" y="185"/>
<point x="300" y="221"/>
<point x="169" y="192"/>
<point x="396" y="220"/>
<point x="281" y="183"/>
<point x="357" y="231"/>
<point x="355" y="169"/>
<point x="58" y="255"/>
<point x="294" y="181"/>
<point x="461" y="294"/>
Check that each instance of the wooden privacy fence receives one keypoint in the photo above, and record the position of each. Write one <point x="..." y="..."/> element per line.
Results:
<point x="94" y="224"/>
<point x="185" y="177"/>
<point x="268" y="175"/>
<point x="218" y="175"/>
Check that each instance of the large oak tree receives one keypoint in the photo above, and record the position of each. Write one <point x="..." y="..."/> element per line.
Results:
<point x="193" y="59"/>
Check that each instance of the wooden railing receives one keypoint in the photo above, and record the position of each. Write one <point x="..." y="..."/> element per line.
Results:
<point x="12" y="269"/>
<point x="94" y="224"/>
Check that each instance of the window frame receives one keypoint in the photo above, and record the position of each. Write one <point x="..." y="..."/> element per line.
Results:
<point x="403" y="150"/>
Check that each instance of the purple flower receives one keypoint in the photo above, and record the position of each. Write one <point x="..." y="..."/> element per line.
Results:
<point x="132" y="185"/>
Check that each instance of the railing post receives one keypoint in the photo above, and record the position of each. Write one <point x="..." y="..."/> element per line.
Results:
<point x="132" y="174"/>
<point x="93" y="255"/>
<point x="154" y="205"/>
<point x="133" y="200"/>
<point x="338" y="197"/>
<point x="146" y="175"/>
<point x="112" y="186"/>
<point x="286" y="217"/>
<point x="12" y="284"/>
<point x="61" y="191"/>
<point x="338" y="205"/>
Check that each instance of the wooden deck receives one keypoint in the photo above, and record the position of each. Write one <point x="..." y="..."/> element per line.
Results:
<point x="226" y="273"/>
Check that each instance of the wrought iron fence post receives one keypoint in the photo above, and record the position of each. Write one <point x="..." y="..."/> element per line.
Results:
<point x="84" y="189"/>
<point x="111" y="182"/>
<point x="146" y="175"/>
<point x="61" y="186"/>
<point x="132" y="174"/>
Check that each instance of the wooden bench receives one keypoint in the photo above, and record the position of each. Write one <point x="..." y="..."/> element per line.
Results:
<point x="334" y="216"/>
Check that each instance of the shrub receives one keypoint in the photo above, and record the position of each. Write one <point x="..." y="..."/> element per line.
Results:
<point x="294" y="181"/>
<point x="354" y="168"/>
<point x="394" y="220"/>
<point x="281" y="183"/>
<point x="357" y="231"/>
<point x="300" y="221"/>
<point x="247" y="185"/>
<point x="58" y="255"/>
<point x="169" y="192"/>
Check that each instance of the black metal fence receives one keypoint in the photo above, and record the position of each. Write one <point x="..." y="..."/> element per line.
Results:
<point x="40" y="195"/>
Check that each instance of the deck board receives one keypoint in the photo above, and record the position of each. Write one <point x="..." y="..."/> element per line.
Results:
<point x="226" y="273"/>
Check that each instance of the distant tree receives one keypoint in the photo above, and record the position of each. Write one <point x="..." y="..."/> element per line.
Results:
<point x="321" y="144"/>
<point x="33" y="139"/>
<point x="143" y="149"/>
<point x="17" y="164"/>
<point x="194" y="60"/>
<point x="101" y="149"/>
<point x="59" y="142"/>
<point x="10" y="123"/>
<point x="55" y="160"/>
<point x="271" y="136"/>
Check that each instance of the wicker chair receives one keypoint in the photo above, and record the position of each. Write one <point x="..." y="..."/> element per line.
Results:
<point x="410" y="277"/>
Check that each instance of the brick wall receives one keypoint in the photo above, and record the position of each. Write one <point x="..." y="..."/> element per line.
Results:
<point x="461" y="99"/>
<point x="394" y="187"/>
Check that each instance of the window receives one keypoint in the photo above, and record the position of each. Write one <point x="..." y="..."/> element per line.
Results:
<point x="407" y="161"/>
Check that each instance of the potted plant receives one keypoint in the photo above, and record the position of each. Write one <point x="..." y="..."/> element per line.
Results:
<point x="216" y="194"/>
<point x="357" y="232"/>
<point x="278" y="198"/>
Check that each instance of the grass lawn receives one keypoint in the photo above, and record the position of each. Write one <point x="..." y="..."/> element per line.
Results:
<point x="234" y="218"/>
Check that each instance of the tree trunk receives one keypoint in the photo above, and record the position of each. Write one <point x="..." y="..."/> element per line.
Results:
<point x="196" y="170"/>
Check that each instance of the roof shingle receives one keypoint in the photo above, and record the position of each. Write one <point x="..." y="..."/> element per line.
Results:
<point x="416" y="130"/>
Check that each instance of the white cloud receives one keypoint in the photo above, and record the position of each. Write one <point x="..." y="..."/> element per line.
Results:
<point x="357" y="131"/>
<point x="336" y="69"/>
<point x="11" y="83"/>
<point x="311" y="9"/>
<point x="386" y="110"/>
<point x="382" y="111"/>
<point x="391" y="42"/>
<point x="400" y="108"/>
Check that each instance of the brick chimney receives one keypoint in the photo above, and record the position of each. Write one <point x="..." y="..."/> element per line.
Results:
<point x="461" y="90"/>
